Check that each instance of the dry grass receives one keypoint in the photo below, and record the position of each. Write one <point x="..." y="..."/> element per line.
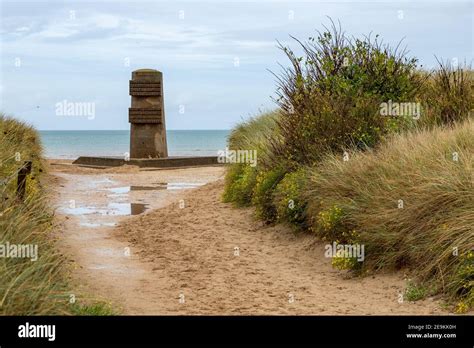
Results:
<point x="433" y="234"/>
<point x="448" y="95"/>
<point x="256" y="134"/>
<point x="27" y="287"/>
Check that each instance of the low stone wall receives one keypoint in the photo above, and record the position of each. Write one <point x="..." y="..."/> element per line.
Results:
<point x="167" y="162"/>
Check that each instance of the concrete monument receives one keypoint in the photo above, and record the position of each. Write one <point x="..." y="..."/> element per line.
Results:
<point x="147" y="116"/>
<point x="148" y="146"/>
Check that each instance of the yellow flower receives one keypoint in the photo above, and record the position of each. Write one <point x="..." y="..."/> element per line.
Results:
<point x="461" y="307"/>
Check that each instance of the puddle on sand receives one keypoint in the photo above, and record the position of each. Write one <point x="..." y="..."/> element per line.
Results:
<point x="111" y="209"/>
<point x="94" y="216"/>
<point x="101" y="181"/>
<point x="128" y="208"/>
<point x="77" y="211"/>
<point x="159" y="186"/>
<point x="119" y="190"/>
<point x="182" y="185"/>
<point x="144" y="188"/>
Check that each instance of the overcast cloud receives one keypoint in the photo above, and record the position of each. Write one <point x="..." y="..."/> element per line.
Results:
<point x="215" y="56"/>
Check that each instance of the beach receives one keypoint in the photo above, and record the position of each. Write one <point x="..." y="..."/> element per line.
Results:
<point x="160" y="242"/>
<point x="278" y="172"/>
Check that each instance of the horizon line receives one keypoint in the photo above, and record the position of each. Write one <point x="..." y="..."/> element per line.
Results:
<point x="98" y="130"/>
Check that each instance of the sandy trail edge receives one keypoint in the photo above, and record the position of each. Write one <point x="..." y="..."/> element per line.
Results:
<point x="274" y="271"/>
<point x="185" y="261"/>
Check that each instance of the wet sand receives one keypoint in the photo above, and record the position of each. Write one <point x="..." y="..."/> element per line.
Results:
<point x="189" y="253"/>
<point x="91" y="202"/>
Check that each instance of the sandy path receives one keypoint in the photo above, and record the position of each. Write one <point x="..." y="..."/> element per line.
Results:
<point x="201" y="256"/>
<point x="273" y="271"/>
<point x="90" y="203"/>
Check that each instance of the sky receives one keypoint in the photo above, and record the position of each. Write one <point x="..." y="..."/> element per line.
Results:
<point x="217" y="57"/>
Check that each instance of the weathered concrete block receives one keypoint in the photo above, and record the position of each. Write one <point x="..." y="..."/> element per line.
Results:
<point x="147" y="116"/>
<point x="168" y="162"/>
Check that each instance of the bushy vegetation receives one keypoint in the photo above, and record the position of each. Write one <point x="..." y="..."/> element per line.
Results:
<point x="330" y="97"/>
<point x="288" y="200"/>
<point x="335" y="166"/>
<point x="240" y="183"/>
<point x="254" y="134"/>
<point x="262" y="195"/>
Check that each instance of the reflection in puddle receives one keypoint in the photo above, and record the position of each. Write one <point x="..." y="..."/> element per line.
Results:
<point x="119" y="190"/>
<point x="101" y="182"/>
<point x="126" y="208"/>
<point x="78" y="211"/>
<point x="112" y="209"/>
<point x="159" y="186"/>
<point x="182" y="185"/>
<point x="96" y="215"/>
<point x="144" y="188"/>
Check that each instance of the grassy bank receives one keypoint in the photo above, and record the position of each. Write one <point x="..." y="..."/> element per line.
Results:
<point x="28" y="287"/>
<point x="36" y="284"/>
<point x="410" y="203"/>
<point x="334" y="164"/>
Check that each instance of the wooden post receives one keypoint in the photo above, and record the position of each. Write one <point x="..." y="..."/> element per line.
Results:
<point x="21" y="183"/>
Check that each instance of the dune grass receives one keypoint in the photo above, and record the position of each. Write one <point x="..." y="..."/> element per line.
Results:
<point x="334" y="165"/>
<point x="257" y="133"/>
<point x="410" y="203"/>
<point x="448" y="94"/>
<point x="253" y="134"/>
<point x="28" y="287"/>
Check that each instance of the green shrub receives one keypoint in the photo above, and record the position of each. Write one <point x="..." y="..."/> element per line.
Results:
<point x="462" y="284"/>
<point x="241" y="180"/>
<point x="345" y="262"/>
<point x="415" y="292"/>
<point x="94" y="309"/>
<point x="331" y="97"/>
<point x="253" y="134"/>
<point x="232" y="175"/>
<point x="262" y="198"/>
<point x="290" y="205"/>
<point x="329" y="221"/>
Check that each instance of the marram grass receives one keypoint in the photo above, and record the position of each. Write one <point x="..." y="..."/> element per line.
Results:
<point x="411" y="202"/>
<point x="27" y="287"/>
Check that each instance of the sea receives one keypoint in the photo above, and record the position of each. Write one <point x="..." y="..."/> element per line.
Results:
<point x="69" y="144"/>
